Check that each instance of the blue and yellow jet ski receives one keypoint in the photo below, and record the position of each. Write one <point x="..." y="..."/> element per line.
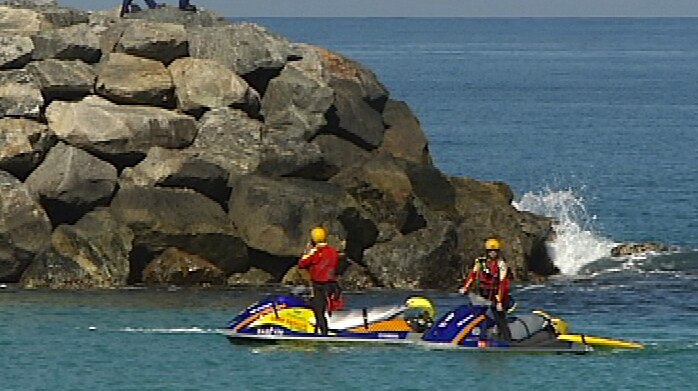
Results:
<point x="290" y="318"/>
<point x="468" y="327"/>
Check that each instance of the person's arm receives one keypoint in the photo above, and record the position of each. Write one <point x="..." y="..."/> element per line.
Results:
<point x="307" y="258"/>
<point x="471" y="276"/>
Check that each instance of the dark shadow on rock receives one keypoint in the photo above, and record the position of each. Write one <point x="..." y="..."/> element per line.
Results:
<point x="275" y="265"/>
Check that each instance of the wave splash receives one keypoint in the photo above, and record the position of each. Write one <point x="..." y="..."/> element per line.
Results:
<point x="576" y="243"/>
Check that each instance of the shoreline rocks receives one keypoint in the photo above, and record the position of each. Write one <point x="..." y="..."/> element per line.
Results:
<point x="173" y="147"/>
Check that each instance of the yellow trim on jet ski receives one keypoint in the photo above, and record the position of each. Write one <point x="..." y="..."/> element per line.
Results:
<point x="600" y="342"/>
<point x="296" y="319"/>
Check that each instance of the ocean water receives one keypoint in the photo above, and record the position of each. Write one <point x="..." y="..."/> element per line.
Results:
<point x="591" y="121"/>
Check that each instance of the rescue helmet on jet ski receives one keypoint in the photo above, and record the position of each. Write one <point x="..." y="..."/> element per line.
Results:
<point x="493" y="244"/>
<point x="318" y="235"/>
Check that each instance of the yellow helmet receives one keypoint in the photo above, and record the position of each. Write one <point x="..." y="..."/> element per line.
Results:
<point x="493" y="244"/>
<point x="318" y="235"/>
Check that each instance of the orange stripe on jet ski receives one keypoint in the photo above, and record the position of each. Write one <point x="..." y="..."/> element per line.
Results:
<point x="459" y="338"/>
<point x="386" y="325"/>
<point x="258" y="315"/>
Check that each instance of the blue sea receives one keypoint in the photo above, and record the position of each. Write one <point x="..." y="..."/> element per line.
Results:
<point x="591" y="121"/>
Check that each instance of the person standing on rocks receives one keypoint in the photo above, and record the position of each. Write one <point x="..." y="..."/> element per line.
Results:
<point x="322" y="262"/>
<point x="490" y="274"/>
<point x="126" y="6"/>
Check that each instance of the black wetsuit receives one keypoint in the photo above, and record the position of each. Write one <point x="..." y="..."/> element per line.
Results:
<point x="321" y="291"/>
<point x="500" y="318"/>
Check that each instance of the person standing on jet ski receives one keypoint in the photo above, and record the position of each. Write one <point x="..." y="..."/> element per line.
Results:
<point x="490" y="274"/>
<point x="322" y="262"/>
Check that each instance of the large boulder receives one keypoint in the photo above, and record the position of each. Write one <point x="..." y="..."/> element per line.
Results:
<point x="353" y="118"/>
<point x="384" y="190"/>
<point x="70" y="182"/>
<point x="286" y="153"/>
<point x="20" y="96"/>
<point x="357" y="277"/>
<point x="297" y="101"/>
<point x="328" y="85"/>
<point x="23" y="145"/>
<point x="628" y="249"/>
<point x="93" y="253"/>
<point x="77" y="42"/>
<point x="431" y="186"/>
<point x="22" y="21"/>
<point x="180" y="168"/>
<point x="248" y="49"/>
<point x="275" y="215"/>
<point x="230" y="139"/>
<point x="182" y="218"/>
<point x="336" y="69"/>
<point x="57" y="16"/>
<point x="128" y="79"/>
<point x="168" y="14"/>
<point x="66" y="80"/>
<point x="177" y="267"/>
<point x="338" y="153"/>
<point x="340" y="70"/>
<point x="163" y="42"/>
<point x="15" y="51"/>
<point x="254" y="277"/>
<point x="426" y="258"/>
<point x="206" y="84"/>
<point x="404" y="137"/>
<point x="25" y="229"/>
<point x="120" y="134"/>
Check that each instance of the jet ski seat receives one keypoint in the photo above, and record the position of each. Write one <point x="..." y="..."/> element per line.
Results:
<point x="355" y="317"/>
<point x="524" y="326"/>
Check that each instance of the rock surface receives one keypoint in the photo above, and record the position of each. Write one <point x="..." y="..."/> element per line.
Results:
<point x="176" y="168"/>
<point x="23" y="145"/>
<point x="77" y="42"/>
<point x="627" y="249"/>
<point x="207" y="84"/>
<point x="15" y="51"/>
<point x="70" y="182"/>
<point x="163" y="42"/>
<point x="22" y="21"/>
<point x="20" y="96"/>
<point x="25" y="229"/>
<point x="120" y="134"/>
<point x="93" y="253"/>
<point x="67" y="80"/>
<point x="177" y="267"/>
<point x="165" y="217"/>
<point x="132" y="80"/>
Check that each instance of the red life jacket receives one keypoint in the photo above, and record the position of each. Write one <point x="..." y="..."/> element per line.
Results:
<point x="322" y="263"/>
<point x="488" y="280"/>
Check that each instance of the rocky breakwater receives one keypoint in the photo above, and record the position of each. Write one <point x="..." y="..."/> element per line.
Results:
<point x="176" y="148"/>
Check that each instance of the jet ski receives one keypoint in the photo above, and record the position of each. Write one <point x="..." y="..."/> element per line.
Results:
<point x="467" y="327"/>
<point x="290" y="318"/>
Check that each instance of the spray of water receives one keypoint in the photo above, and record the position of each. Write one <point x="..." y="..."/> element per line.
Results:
<point x="576" y="242"/>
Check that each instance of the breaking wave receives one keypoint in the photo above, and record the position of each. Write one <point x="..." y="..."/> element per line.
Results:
<point x="577" y="242"/>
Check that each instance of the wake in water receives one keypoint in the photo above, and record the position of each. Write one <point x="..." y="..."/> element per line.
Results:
<point x="576" y="242"/>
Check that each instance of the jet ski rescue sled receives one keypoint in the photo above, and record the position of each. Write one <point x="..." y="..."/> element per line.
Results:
<point x="290" y="318"/>
<point x="467" y="327"/>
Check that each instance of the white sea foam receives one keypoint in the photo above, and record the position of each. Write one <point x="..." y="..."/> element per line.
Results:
<point x="576" y="243"/>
